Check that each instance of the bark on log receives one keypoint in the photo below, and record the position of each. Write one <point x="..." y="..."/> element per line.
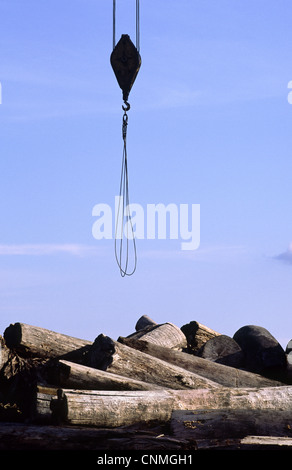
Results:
<point x="223" y="375"/>
<point x="144" y="322"/>
<point x="224" y="350"/>
<point x="166" y="334"/>
<point x="30" y="340"/>
<point x="112" y="356"/>
<point x="67" y="374"/>
<point x="226" y="423"/>
<point x="18" y="379"/>
<point x="112" y="409"/>
<point x="197" y="335"/>
<point x="4" y="353"/>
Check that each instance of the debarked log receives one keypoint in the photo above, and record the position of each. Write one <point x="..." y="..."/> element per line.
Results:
<point x="197" y="335"/>
<point x="112" y="409"/>
<point x="31" y="340"/>
<point x="165" y="334"/>
<point x="220" y="373"/>
<point x="112" y="356"/>
<point x="68" y="374"/>
<point x="144" y="322"/>
<point x="226" y="423"/>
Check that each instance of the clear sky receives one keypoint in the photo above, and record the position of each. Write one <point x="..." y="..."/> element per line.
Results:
<point x="210" y="124"/>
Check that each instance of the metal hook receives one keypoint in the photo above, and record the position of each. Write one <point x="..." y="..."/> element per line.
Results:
<point x="127" y="107"/>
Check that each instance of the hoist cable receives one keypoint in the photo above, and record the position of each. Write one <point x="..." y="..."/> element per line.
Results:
<point x="137" y="24"/>
<point x="123" y="211"/>
<point x="114" y="23"/>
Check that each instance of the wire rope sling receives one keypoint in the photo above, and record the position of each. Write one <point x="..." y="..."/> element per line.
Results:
<point x="125" y="60"/>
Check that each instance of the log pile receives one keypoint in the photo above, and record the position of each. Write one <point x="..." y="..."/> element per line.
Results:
<point x="161" y="387"/>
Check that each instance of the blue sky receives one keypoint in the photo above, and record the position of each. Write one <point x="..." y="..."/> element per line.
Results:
<point x="210" y="124"/>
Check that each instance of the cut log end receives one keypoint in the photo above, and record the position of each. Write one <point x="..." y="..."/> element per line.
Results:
<point x="13" y="335"/>
<point x="101" y="353"/>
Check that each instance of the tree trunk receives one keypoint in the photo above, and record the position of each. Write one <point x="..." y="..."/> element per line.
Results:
<point x="224" y="350"/>
<point x="197" y="335"/>
<point x="166" y="334"/>
<point x="41" y="405"/>
<point x="18" y="379"/>
<point x="144" y="322"/>
<point x="112" y="409"/>
<point x="43" y="437"/>
<point x="263" y="354"/>
<point x="70" y="375"/>
<point x="4" y="353"/>
<point x="112" y="356"/>
<point x="226" y="423"/>
<point x="30" y="340"/>
<point x="266" y="443"/>
<point x="223" y="375"/>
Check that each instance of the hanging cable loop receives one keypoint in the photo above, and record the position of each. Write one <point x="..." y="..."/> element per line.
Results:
<point x="124" y="226"/>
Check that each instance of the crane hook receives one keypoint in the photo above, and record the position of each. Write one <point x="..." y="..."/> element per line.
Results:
<point x="127" y="107"/>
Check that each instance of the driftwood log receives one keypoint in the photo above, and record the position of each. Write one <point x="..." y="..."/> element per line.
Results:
<point x="28" y="340"/>
<point x="223" y="375"/>
<point x="144" y="322"/>
<point x="197" y="335"/>
<point x="166" y="334"/>
<point x="4" y="352"/>
<point x="224" y="350"/>
<point x="262" y="352"/>
<point x="67" y="374"/>
<point x="112" y="356"/>
<point x="226" y="423"/>
<point x="112" y="409"/>
<point x="63" y="438"/>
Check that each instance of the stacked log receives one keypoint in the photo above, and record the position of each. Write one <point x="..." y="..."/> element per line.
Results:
<point x="191" y="385"/>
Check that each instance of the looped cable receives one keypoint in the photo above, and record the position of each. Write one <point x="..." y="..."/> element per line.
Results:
<point x="123" y="213"/>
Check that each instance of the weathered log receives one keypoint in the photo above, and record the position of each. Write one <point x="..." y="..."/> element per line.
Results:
<point x="262" y="352"/>
<point x="4" y="352"/>
<point x="112" y="409"/>
<point x="224" y="350"/>
<point x="265" y="443"/>
<point x="144" y="322"/>
<point x="18" y="379"/>
<point x="30" y="340"/>
<point x="248" y="443"/>
<point x="224" y="423"/>
<point x="112" y="356"/>
<point x="289" y="347"/>
<point x="166" y="334"/>
<point x="224" y="375"/>
<point x="43" y="437"/>
<point x="41" y="405"/>
<point x="67" y="374"/>
<point x="197" y="335"/>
